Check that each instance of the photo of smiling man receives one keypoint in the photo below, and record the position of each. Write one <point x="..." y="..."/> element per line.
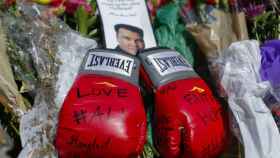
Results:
<point x="130" y="38"/>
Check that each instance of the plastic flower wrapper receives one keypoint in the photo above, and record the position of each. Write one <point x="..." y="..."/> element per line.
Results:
<point x="270" y="71"/>
<point x="214" y="37"/>
<point x="56" y="53"/>
<point x="270" y="52"/>
<point x="71" y="50"/>
<point x="10" y="97"/>
<point x="27" y="33"/>
<point x="22" y="68"/>
<point x="170" y="31"/>
<point x="241" y="80"/>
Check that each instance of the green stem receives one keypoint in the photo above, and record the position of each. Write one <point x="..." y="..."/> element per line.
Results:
<point x="81" y="16"/>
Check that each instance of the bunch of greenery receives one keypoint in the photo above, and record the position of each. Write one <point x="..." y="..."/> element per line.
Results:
<point x="266" y="26"/>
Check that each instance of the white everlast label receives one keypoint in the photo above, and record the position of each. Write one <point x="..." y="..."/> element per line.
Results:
<point x="99" y="61"/>
<point x="169" y="62"/>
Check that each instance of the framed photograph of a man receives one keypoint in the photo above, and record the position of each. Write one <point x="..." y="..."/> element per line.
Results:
<point x="126" y="25"/>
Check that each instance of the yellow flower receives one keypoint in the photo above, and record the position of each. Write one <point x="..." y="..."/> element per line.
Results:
<point x="45" y="2"/>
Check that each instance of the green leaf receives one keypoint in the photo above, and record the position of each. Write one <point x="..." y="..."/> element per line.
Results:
<point x="93" y="5"/>
<point x="149" y="151"/>
<point x="223" y="4"/>
<point x="93" y="33"/>
<point x="266" y="26"/>
<point x="91" y="21"/>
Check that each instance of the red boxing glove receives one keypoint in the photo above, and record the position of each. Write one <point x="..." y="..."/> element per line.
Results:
<point x="188" y="121"/>
<point x="103" y="114"/>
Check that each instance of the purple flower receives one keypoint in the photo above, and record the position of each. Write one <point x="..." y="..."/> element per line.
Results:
<point x="254" y="10"/>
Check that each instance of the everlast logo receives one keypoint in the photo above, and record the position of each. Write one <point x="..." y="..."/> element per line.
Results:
<point x="109" y="62"/>
<point x="168" y="62"/>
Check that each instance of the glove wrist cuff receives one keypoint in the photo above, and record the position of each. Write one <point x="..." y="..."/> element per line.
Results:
<point x="165" y="65"/>
<point x="111" y="63"/>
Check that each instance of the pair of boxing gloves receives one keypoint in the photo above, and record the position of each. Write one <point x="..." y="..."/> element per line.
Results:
<point x="103" y="115"/>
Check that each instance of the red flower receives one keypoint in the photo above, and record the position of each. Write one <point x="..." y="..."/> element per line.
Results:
<point x="211" y="2"/>
<point x="56" y="3"/>
<point x="9" y="3"/>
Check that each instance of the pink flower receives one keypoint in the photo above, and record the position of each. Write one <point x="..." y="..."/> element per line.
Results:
<point x="72" y="5"/>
